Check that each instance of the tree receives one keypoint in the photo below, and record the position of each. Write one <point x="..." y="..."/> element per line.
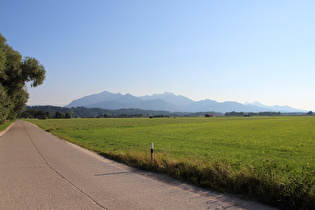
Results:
<point x="26" y="115"/>
<point x="59" y="115"/>
<point x="68" y="115"/>
<point x="309" y="113"/>
<point x="3" y="105"/>
<point x="15" y="72"/>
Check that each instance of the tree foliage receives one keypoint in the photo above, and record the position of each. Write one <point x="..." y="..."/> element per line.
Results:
<point x="59" y="115"/>
<point x="68" y="115"/>
<point x="15" y="72"/>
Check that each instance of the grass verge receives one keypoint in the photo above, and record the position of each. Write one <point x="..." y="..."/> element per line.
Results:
<point x="5" y="125"/>
<point x="261" y="184"/>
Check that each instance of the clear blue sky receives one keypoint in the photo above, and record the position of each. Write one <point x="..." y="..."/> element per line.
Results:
<point x="227" y="50"/>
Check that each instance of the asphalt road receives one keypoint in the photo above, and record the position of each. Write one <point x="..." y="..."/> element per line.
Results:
<point x="41" y="171"/>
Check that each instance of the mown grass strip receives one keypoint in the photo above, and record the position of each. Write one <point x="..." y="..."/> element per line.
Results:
<point x="270" y="159"/>
<point x="5" y="125"/>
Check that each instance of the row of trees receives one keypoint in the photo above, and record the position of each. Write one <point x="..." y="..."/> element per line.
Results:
<point x="50" y="112"/>
<point x="15" y="72"/>
<point x="60" y="115"/>
<point x="33" y="113"/>
<point x="40" y="114"/>
<point x="247" y="114"/>
<point x="84" y="112"/>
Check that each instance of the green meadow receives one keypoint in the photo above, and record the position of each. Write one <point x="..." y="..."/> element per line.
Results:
<point x="270" y="159"/>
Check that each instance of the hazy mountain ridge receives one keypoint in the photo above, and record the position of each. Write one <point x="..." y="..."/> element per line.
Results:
<point x="170" y="98"/>
<point x="171" y="102"/>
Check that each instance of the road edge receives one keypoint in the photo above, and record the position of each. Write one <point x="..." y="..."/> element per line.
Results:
<point x="5" y="130"/>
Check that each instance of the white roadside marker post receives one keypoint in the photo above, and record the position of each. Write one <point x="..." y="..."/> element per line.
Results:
<point x="152" y="152"/>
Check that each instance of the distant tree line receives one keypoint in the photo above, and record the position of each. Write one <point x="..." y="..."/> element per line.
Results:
<point x="83" y="112"/>
<point x="248" y="114"/>
<point x="44" y="112"/>
<point x="202" y="114"/>
<point x="33" y="113"/>
<point x="208" y="115"/>
<point x="159" y="116"/>
<point x="60" y="115"/>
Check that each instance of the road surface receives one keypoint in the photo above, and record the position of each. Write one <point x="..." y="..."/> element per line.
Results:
<point x="41" y="171"/>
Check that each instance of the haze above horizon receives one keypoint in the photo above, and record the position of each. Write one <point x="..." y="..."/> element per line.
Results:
<point x="242" y="51"/>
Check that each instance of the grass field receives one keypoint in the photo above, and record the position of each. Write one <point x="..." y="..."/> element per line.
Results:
<point x="271" y="159"/>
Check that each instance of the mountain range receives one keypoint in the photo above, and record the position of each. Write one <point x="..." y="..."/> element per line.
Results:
<point x="171" y="102"/>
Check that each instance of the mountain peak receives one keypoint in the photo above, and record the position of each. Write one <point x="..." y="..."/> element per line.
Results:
<point x="256" y="103"/>
<point x="168" y="94"/>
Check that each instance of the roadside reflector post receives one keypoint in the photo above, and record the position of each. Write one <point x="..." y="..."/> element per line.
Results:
<point x="152" y="151"/>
